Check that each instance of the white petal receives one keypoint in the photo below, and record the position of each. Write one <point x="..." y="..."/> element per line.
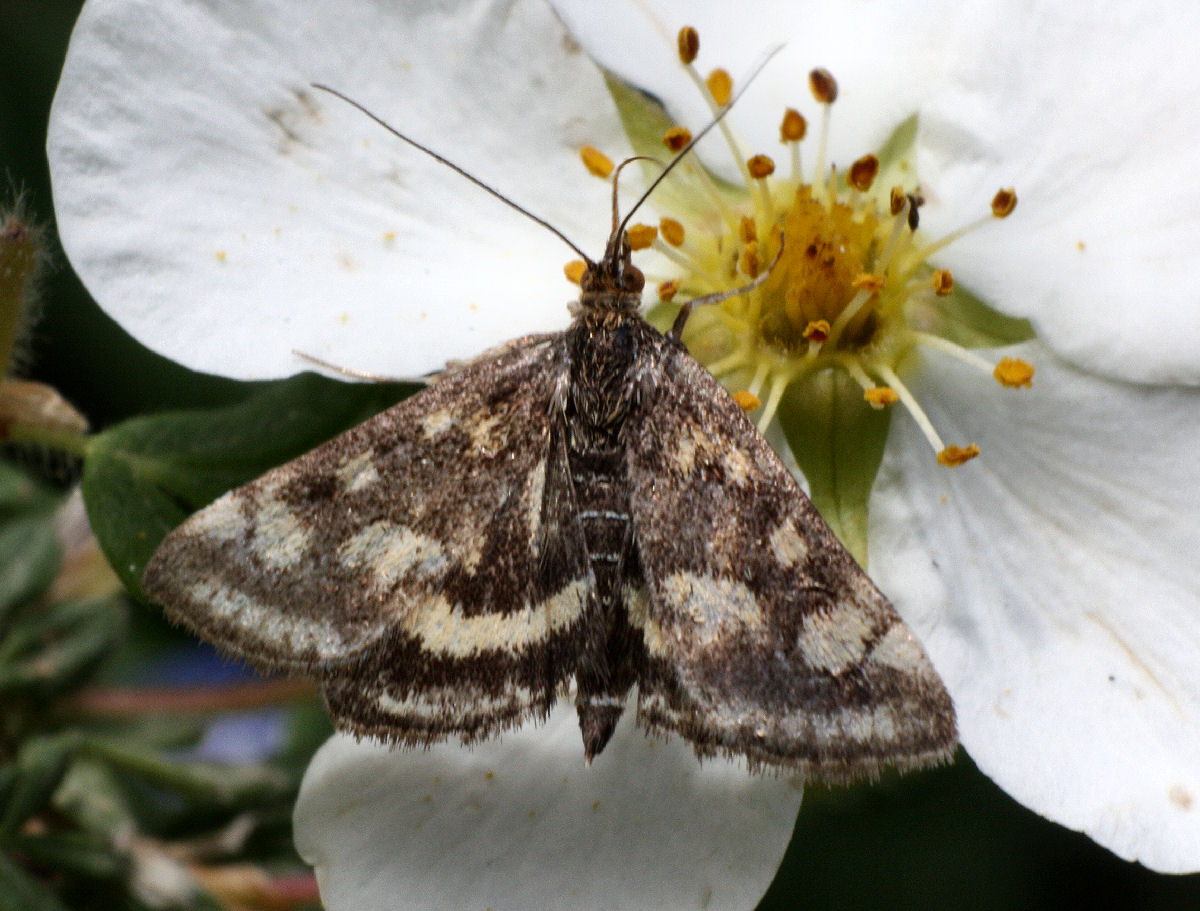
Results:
<point x="1090" y="114"/>
<point x="226" y="213"/>
<point x="1054" y="582"/>
<point x="880" y="54"/>
<point x="523" y="823"/>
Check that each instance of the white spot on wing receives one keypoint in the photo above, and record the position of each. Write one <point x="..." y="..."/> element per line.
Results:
<point x="710" y="611"/>
<point x="438" y="422"/>
<point x="787" y="545"/>
<point x="359" y="472"/>
<point x="837" y="641"/>
<point x="223" y="520"/>
<point x="392" y="551"/>
<point x="447" y="630"/>
<point x="280" y="538"/>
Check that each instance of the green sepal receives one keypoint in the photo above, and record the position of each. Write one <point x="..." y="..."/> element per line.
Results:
<point x="145" y="476"/>
<point x="837" y="440"/>
<point x="40" y="767"/>
<point x="29" y="550"/>
<point x="964" y="319"/>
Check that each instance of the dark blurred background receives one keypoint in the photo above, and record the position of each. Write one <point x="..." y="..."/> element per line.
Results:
<point x="942" y="839"/>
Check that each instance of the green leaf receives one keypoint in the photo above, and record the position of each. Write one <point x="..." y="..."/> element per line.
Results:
<point x="145" y="476"/>
<point x="41" y="765"/>
<point x="57" y="646"/>
<point x="211" y="784"/>
<point x="838" y="442"/>
<point x="80" y="853"/>
<point x="21" y="892"/>
<point x="29" y="551"/>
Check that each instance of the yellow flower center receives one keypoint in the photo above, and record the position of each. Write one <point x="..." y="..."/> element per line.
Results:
<point x="850" y="285"/>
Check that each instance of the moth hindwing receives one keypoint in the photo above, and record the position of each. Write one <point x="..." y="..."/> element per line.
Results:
<point x="589" y="507"/>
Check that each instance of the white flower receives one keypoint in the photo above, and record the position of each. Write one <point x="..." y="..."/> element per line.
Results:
<point x="227" y="213"/>
<point x="1053" y="580"/>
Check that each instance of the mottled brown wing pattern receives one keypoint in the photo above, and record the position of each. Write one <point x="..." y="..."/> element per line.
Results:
<point x="424" y="565"/>
<point x="764" y="638"/>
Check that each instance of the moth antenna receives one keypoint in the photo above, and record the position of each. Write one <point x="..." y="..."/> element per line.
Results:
<point x="686" y="310"/>
<point x="758" y="68"/>
<point x="452" y="166"/>
<point x="616" y="218"/>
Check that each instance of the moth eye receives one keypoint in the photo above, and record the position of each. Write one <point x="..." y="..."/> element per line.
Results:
<point x="632" y="279"/>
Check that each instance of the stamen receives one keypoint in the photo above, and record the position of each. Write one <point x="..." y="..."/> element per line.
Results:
<point x="747" y="401"/>
<point x="667" y="290"/>
<point x="574" y="270"/>
<point x="953" y="456"/>
<point x="824" y="89"/>
<point x="774" y="397"/>
<point x="942" y="282"/>
<point x="1014" y="372"/>
<point x="672" y="231"/>
<point x="880" y="397"/>
<point x="641" y="236"/>
<point x="597" y="163"/>
<point x="749" y="262"/>
<point x="720" y="86"/>
<point x="817" y="331"/>
<point x="792" y="131"/>
<point x="954" y="350"/>
<point x="676" y="138"/>
<point x="760" y="167"/>
<point x="862" y="173"/>
<point x="1004" y="202"/>
<point x="748" y="230"/>
<point x="688" y="43"/>
<point x="888" y="375"/>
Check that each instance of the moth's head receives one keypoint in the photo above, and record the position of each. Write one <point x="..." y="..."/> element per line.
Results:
<point x="614" y="283"/>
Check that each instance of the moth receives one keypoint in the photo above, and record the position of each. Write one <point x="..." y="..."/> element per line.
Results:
<point x="584" y="512"/>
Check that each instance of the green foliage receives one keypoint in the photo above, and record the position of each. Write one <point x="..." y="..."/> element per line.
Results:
<point x="145" y="476"/>
<point x="100" y="808"/>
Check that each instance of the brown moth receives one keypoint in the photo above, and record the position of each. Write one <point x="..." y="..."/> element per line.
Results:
<point x="587" y="508"/>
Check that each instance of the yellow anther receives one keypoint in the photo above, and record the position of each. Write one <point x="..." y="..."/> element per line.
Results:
<point x="747" y="401"/>
<point x="688" y="43"/>
<point x="720" y="85"/>
<point x="868" y="281"/>
<point x="862" y="172"/>
<point x="1014" y="372"/>
<point x="641" y="236"/>
<point x="817" y="330"/>
<point x="942" y="282"/>
<point x="880" y="396"/>
<point x="676" y="138"/>
<point x="747" y="229"/>
<point x="671" y="231"/>
<point x="760" y="166"/>
<point x="897" y="200"/>
<point x="597" y="163"/>
<point x="668" y="289"/>
<point x="1004" y="202"/>
<point x="749" y="261"/>
<point x="953" y="456"/>
<point x="794" y="126"/>
<point x="824" y="86"/>
<point x="574" y="270"/>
